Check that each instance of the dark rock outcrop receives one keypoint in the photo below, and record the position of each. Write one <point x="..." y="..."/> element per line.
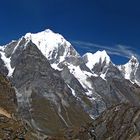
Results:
<point x="121" y="122"/>
<point x="11" y="125"/>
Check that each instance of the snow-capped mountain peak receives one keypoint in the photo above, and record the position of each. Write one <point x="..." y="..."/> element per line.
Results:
<point x="133" y="60"/>
<point x="47" y="39"/>
<point x="53" y="45"/>
<point x="48" y="30"/>
<point x="98" y="57"/>
<point x="129" y="69"/>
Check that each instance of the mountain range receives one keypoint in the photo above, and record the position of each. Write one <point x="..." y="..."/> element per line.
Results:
<point x="57" y="89"/>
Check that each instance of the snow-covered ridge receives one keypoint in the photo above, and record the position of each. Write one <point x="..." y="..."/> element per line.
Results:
<point x="129" y="69"/>
<point x="55" y="47"/>
<point x="46" y="38"/>
<point x="98" y="57"/>
<point x="49" y="44"/>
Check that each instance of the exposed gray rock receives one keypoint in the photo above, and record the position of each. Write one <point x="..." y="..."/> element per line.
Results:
<point x="42" y="93"/>
<point x="138" y="74"/>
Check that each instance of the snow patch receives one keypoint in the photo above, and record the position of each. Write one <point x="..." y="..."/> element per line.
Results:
<point x="72" y="90"/>
<point x="103" y="75"/>
<point x="82" y="77"/>
<point x="54" y="66"/>
<point x="17" y="45"/>
<point x="2" y="48"/>
<point x="7" y="62"/>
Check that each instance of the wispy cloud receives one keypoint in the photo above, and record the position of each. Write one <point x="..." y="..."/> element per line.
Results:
<point x="120" y="50"/>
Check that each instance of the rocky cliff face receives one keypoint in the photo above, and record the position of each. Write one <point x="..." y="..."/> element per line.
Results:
<point x="44" y="100"/>
<point x="121" y="122"/>
<point x="11" y="125"/>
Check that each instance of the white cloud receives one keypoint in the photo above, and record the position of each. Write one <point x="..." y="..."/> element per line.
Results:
<point x="120" y="50"/>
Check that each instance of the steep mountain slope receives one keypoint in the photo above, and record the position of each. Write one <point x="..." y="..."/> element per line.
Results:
<point x="41" y="92"/>
<point x="121" y="122"/>
<point x="8" y="103"/>
<point x="52" y="79"/>
<point x="11" y="126"/>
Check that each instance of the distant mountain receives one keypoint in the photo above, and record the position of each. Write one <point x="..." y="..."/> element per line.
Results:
<point x="131" y="70"/>
<point x="52" y="79"/>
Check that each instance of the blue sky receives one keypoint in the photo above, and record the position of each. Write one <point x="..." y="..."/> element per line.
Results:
<point x="91" y="25"/>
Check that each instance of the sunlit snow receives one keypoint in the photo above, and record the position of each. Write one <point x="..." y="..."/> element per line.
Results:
<point x="7" y="63"/>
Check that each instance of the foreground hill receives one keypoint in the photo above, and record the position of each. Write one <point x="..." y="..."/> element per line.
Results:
<point x="11" y="125"/>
